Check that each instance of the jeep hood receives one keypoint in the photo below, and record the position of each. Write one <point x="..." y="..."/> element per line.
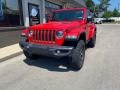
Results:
<point x="58" y="25"/>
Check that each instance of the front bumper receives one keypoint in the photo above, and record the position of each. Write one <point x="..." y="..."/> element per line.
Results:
<point x="46" y="50"/>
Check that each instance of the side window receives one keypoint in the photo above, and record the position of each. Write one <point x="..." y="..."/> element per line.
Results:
<point x="87" y="13"/>
<point x="90" y="15"/>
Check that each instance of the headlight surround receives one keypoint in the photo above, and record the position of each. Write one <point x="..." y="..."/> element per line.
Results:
<point x="59" y="34"/>
<point x="30" y="32"/>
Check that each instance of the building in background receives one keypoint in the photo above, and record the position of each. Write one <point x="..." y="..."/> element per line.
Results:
<point x="30" y="12"/>
<point x="74" y="3"/>
<point x="10" y="13"/>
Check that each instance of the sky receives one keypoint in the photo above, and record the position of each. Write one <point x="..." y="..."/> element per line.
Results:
<point x="114" y="4"/>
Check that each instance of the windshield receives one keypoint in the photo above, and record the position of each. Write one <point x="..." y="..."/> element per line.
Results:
<point x="69" y="15"/>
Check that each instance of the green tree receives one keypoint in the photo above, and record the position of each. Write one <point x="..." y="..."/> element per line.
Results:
<point x="90" y="4"/>
<point x="104" y="4"/>
<point x="115" y="13"/>
<point x="102" y="7"/>
<point x="107" y="14"/>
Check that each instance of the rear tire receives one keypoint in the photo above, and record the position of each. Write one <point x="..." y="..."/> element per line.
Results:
<point x="77" y="59"/>
<point x="30" y="56"/>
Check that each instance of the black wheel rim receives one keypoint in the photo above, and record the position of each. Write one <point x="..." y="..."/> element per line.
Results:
<point x="82" y="54"/>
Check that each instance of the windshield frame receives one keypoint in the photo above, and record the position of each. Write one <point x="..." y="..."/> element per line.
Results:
<point x="62" y="11"/>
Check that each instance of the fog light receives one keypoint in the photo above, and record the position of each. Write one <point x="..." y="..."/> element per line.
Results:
<point x="58" y="51"/>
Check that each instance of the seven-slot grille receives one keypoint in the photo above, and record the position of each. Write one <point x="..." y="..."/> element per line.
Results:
<point x="44" y="35"/>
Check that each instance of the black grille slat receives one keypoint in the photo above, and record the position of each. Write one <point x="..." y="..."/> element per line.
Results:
<point x="38" y="35"/>
<point x="54" y="36"/>
<point x="42" y="35"/>
<point x="45" y="35"/>
<point x="47" y="38"/>
<point x="52" y="33"/>
<point x="35" y="35"/>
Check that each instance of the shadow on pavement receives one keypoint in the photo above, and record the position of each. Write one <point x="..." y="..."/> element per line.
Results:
<point x="51" y="64"/>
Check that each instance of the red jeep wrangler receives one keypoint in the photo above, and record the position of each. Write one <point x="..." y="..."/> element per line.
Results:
<point x="66" y="34"/>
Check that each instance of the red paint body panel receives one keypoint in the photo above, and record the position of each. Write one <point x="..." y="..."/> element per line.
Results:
<point x="70" y="28"/>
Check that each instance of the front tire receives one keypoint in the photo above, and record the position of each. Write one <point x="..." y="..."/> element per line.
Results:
<point x="78" y="55"/>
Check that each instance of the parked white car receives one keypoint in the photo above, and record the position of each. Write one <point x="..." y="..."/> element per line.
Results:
<point x="98" y="20"/>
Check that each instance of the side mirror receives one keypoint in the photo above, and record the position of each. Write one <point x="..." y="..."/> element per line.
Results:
<point x="89" y="19"/>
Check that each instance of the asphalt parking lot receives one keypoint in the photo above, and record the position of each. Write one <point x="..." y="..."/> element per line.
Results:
<point x="101" y="70"/>
<point x="9" y="37"/>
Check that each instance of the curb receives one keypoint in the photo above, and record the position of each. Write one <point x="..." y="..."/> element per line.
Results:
<point x="11" y="56"/>
<point x="8" y="29"/>
<point x="10" y="52"/>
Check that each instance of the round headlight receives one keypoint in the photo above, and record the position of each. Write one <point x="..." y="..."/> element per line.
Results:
<point x="59" y="34"/>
